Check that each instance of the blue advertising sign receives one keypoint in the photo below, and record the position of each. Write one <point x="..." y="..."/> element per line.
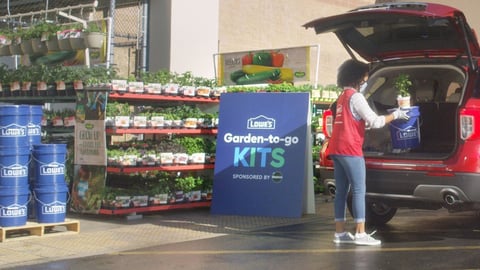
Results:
<point x="262" y="149"/>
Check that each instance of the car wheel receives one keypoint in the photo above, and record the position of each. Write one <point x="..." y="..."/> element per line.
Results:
<point x="377" y="213"/>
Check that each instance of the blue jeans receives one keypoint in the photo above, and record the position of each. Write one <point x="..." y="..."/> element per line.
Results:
<point x="349" y="172"/>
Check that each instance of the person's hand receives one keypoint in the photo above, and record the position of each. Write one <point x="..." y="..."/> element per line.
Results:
<point x="400" y="114"/>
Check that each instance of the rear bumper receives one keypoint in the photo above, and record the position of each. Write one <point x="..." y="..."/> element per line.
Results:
<point x="417" y="189"/>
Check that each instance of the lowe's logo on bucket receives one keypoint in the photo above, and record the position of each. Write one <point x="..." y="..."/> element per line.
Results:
<point x="54" y="208"/>
<point x="14" y="210"/>
<point x="407" y="134"/>
<point x="53" y="168"/>
<point x="13" y="130"/>
<point x="34" y="130"/>
<point x="15" y="170"/>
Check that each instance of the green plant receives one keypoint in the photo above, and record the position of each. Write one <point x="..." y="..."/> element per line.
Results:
<point x="402" y="82"/>
<point x="188" y="183"/>
<point x="117" y="109"/>
<point x="93" y="27"/>
<point x="41" y="73"/>
<point x="45" y="29"/>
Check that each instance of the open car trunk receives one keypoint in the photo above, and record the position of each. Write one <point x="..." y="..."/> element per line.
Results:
<point x="436" y="90"/>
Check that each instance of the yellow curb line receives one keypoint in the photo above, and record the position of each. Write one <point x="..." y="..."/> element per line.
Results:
<point x="284" y="251"/>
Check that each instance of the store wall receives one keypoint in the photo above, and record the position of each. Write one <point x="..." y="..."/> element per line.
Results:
<point x="183" y="36"/>
<point x="264" y="24"/>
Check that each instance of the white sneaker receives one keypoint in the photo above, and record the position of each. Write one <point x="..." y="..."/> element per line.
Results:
<point x="366" y="240"/>
<point x="346" y="238"/>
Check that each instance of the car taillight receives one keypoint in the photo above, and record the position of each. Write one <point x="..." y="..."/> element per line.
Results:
<point x="469" y="121"/>
<point x="327" y="123"/>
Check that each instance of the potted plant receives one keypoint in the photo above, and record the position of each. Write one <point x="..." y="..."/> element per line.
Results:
<point x="42" y="78"/>
<point x="403" y="83"/>
<point x="93" y="37"/>
<point x="42" y="33"/>
<point x="26" y="78"/>
<point x="15" y="40"/>
<point x="5" y="42"/>
<point x="4" y="87"/>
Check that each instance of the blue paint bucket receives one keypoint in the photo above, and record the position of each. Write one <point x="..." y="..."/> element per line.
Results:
<point x="34" y="125"/>
<point x="13" y="205"/>
<point x="51" y="203"/>
<point x="406" y="134"/>
<point x="14" y="165"/>
<point x="49" y="163"/>
<point x="13" y="125"/>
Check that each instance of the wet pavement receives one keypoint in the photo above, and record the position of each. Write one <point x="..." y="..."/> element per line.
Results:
<point x="414" y="239"/>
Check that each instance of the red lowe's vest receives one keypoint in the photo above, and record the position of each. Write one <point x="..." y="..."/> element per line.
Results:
<point x="348" y="133"/>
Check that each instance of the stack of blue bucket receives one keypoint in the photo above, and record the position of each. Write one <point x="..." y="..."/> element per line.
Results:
<point x="14" y="164"/>
<point x="49" y="187"/>
<point x="20" y="143"/>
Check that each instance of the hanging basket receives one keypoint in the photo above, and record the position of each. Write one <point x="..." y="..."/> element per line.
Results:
<point x="64" y="44"/>
<point x="77" y="43"/>
<point x="52" y="44"/>
<point x="15" y="49"/>
<point x="94" y="40"/>
<point x="39" y="46"/>
<point x="5" y="50"/>
<point x="26" y="46"/>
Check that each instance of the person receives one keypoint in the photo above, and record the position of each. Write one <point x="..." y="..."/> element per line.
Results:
<point x="352" y="116"/>
<point x="80" y="187"/>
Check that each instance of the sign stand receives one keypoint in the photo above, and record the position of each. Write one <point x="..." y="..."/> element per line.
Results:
<point x="263" y="162"/>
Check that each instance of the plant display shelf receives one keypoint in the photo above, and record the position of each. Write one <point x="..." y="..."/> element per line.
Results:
<point x="126" y="211"/>
<point x="171" y="168"/>
<point x="39" y="229"/>
<point x="154" y="97"/>
<point x="185" y="131"/>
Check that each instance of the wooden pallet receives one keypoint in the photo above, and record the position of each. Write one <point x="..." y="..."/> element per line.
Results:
<point x="39" y="229"/>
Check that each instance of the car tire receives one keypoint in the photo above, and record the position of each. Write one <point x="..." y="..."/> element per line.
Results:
<point x="377" y="213"/>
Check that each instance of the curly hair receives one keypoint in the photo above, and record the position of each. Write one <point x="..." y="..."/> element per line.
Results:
<point x="351" y="73"/>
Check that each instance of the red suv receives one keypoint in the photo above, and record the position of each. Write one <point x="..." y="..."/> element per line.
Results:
<point x="436" y="48"/>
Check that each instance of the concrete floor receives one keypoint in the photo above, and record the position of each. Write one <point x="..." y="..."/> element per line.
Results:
<point x="194" y="239"/>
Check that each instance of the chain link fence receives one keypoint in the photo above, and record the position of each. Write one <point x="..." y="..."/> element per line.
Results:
<point x="126" y="24"/>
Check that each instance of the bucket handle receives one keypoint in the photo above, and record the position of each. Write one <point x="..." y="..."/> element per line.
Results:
<point x="28" y="162"/>
<point x="43" y="163"/>
<point x="28" y="201"/>
<point x="38" y="200"/>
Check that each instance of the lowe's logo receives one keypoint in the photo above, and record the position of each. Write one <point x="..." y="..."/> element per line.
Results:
<point x="15" y="170"/>
<point x="261" y="122"/>
<point x="14" y="210"/>
<point x="53" y="168"/>
<point x="407" y="134"/>
<point x="13" y="130"/>
<point x="54" y="208"/>
<point x="34" y="130"/>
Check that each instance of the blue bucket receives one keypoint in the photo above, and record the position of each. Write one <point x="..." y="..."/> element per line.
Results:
<point x="51" y="203"/>
<point x="34" y="125"/>
<point x="406" y="134"/>
<point x="13" y="205"/>
<point x="49" y="163"/>
<point x="13" y="125"/>
<point x="14" y="166"/>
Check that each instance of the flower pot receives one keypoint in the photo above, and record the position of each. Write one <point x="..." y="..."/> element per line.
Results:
<point x="27" y="89"/>
<point x="52" y="44"/>
<point x="26" y="46"/>
<point x="64" y="44"/>
<point x="77" y="43"/>
<point x="94" y="40"/>
<point x="4" y="50"/>
<point x="15" y="49"/>
<point x="403" y="102"/>
<point x="39" y="46"/>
